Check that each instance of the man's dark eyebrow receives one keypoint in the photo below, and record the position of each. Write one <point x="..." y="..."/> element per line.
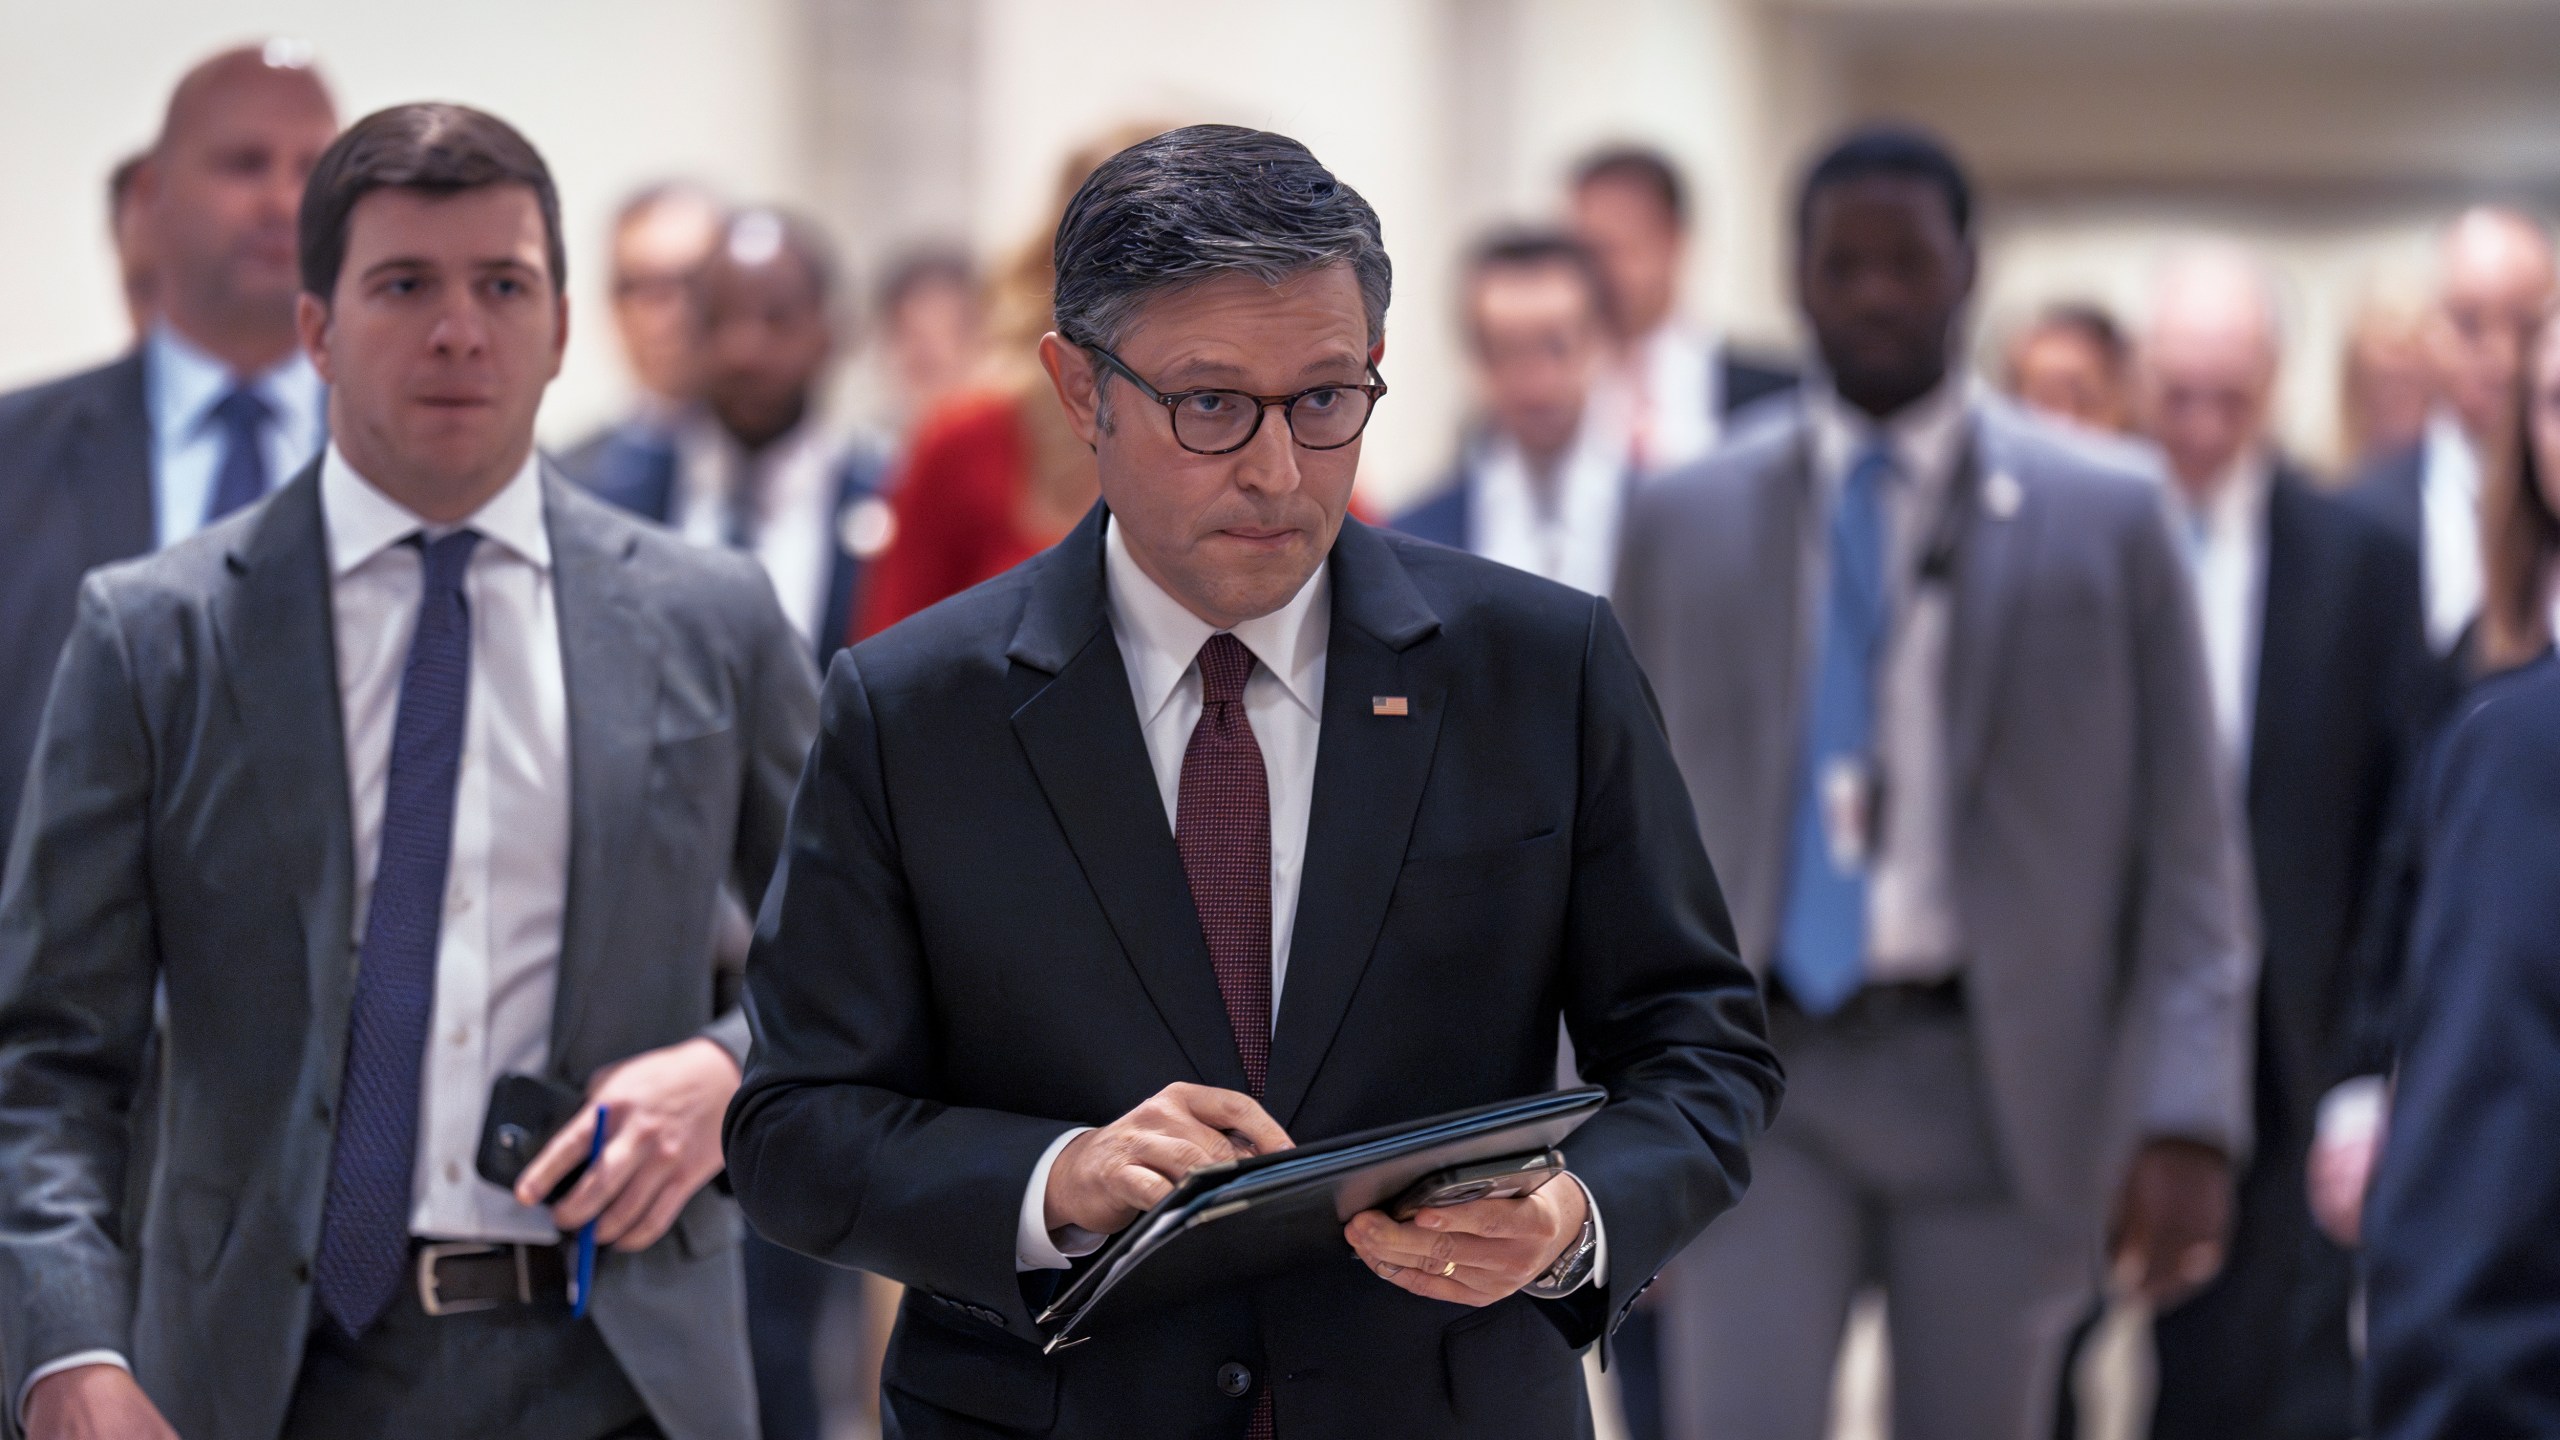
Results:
<point x="1221" y="373"/>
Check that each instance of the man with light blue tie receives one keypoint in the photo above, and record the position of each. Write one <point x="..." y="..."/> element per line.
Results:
<point x="424" y="772"/>
<point x="1932" y="673"/>
<point x="212" y="410"/>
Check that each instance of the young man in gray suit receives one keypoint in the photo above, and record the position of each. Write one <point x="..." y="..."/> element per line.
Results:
<point x="1934" y="678"/>
<point x="426" y="770"/>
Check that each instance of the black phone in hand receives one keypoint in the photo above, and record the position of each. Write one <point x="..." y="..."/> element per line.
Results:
<point x="525" y="1111"/>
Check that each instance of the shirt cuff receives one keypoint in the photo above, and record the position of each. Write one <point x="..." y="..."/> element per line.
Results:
<point x="2351" y="1112"/>
<point x="72" y="1361"/>
<point x="1034" y="1248"/>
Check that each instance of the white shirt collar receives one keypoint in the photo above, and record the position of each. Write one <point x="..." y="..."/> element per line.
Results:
<point x="1923" y="434"/>
<point x="363" y="522"/>
<point x="186" y="383"/>
<point x="1160" y="638"/>
<point x="2450" y="458"/>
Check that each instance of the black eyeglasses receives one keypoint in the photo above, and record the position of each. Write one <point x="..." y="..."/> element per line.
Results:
<point x="1221" y="422"/>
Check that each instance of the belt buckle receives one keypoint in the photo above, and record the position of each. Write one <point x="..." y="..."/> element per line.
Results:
<point x="430" y="1293"/>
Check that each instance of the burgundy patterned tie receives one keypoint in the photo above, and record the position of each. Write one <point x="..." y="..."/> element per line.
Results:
<point x="1222" y="826"/>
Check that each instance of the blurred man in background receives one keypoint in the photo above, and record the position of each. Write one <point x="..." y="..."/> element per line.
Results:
<point x="2073" y="364"/>
<point x="2495" y="275"/>
<point x="2314" y="645"/>
<point x="932" y="330"/>
<point x="216" y="406"/>
<point x="660" y="237"/>
<point x="1544" y="482"/>
<point x="131" y="236"/>
<point x="2387" y="385"/>
<point x="1632" y="209"/>
<point x="1930" y="668"/>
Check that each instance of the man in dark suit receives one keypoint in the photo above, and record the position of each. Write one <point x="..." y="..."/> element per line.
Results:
<point x="2495" y="278"/>
<point x="755" y="464"/>
<point x="1229" y="820"/>
<point x="2462" y="1257"/>
<point x="661" y="237"/>
<point x="2315" y="648"/>
<point x="1542" y="484"/>
<point x="212" y="409"/>
<point x="1683" y="382"/>
<point x="425" y="771"/>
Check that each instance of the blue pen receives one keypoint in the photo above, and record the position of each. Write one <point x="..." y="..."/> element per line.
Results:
<point x="587" y="1232"/>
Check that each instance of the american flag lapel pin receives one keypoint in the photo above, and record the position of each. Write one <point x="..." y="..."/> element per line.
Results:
<point x="1389" y="705"/>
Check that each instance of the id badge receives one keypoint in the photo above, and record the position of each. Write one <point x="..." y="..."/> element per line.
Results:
<point x="1849" y="812"/>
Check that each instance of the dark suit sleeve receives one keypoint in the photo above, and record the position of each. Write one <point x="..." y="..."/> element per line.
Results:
<point x="783" y="709"/>
<point x="1660" y="1007"/>
<point x="830" y="1152"/>
<point x="2381" y="937"/>
<point x="77" y="966"/>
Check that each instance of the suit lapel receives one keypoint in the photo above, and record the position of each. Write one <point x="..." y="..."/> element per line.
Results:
<point x="1370" y="771"/>
<point x="1989" y="558"/>
<point x="609" y="644"/>
<point x="1079" y="730"/>
<point x="110" y="465"/>
<point x="280" y="661"/>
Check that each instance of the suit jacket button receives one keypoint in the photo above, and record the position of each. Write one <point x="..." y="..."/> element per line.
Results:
<point x="1234" y="1380"/>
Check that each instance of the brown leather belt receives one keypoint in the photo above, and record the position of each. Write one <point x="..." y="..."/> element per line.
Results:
<point x="457" y="1277"/>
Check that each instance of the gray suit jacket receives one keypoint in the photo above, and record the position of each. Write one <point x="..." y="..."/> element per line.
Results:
<point x="186" y="823"/>
<point x="2096" y="872"/>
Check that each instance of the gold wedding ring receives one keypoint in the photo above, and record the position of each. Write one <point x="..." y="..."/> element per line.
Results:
<point x="1448" y="1268"/>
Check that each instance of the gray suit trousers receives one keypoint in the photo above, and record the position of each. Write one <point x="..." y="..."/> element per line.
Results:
<point x="1882" y="1171"/>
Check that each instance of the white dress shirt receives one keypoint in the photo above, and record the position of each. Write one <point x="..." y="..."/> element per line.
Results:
<point x="1160" y="640"/>
<point x="792" y="527"/>
<point x="1677" y="407"/>
<point x="1913" y="930"/>
<point x="181" y="385"/>
<point x="498" y="951"/>
<point x="1568" y="531"/>
<point x="2449" y="559"/>
<point x="2227" y="551"/>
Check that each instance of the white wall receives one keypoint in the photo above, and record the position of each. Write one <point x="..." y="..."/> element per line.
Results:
<point x="614" y="93"/>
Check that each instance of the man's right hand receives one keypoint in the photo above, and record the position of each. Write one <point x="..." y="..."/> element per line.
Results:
<point x="93" y="1402"/>
<point x="1108" y="1177"/>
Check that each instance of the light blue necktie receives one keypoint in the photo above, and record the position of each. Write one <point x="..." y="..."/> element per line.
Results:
<point x="1822" y="934"/>
<point x="242" y="476"/>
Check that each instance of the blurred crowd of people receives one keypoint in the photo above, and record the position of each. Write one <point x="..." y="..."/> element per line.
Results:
<point x="2341" y="620"/>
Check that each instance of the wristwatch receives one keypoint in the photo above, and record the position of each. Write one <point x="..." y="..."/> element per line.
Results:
<point x="1571" y="1268"/>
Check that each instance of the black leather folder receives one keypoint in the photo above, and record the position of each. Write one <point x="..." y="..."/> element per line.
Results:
<point x="1266" y="1215"/>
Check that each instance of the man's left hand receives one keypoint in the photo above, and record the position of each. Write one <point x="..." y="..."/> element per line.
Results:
<point x="2173" y="1221"/>
<point x="662" y="1143"/>
<point x="1476" y="1253"/>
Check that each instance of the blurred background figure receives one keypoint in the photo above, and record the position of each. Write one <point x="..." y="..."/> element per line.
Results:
<point x="2463" y="1258"/>
<point x="2315" y="651"/>
<point x="2494" y="276"/>
<point x="931" y="331"/>
<point x="2073" y="363"/>
<point x="127" y="230"/>
<point x="1543" y="481"/>
<point x="1631" y="208"/>
<point x="661" y="236"/>
<point x="994" y="476"/>
<point x="215" y="408"/>
<point x="2386" y="381"/>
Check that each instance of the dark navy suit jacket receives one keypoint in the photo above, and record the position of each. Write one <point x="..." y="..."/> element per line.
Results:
<point x="634" y="466"/>
<point x="982" y="937"/>
<point x="2463" y="1229"/>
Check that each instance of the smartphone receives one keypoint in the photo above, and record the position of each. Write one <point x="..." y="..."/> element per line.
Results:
<point x="1507" y="1178"/>
<point x="525" y="1111"/>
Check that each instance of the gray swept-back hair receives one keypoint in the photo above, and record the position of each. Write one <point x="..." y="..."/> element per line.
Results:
<point x="1204" y="201"/>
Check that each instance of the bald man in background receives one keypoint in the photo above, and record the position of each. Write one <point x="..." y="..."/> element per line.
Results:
<point x="213" y="409"/>
<point x="2314" y="648"/>
<point x="661" y="236"/>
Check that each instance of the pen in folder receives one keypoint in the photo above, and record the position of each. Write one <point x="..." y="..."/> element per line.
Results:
<point x="587" y="1232"/>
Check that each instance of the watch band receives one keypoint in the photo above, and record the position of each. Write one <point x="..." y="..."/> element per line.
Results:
<point x="1571" y="1268"/>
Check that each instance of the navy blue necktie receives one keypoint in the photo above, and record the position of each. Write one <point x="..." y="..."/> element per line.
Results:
<point x="243" y="476"/>
<point x="364" y="1226"/>
<point x="1822" y="938"/>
